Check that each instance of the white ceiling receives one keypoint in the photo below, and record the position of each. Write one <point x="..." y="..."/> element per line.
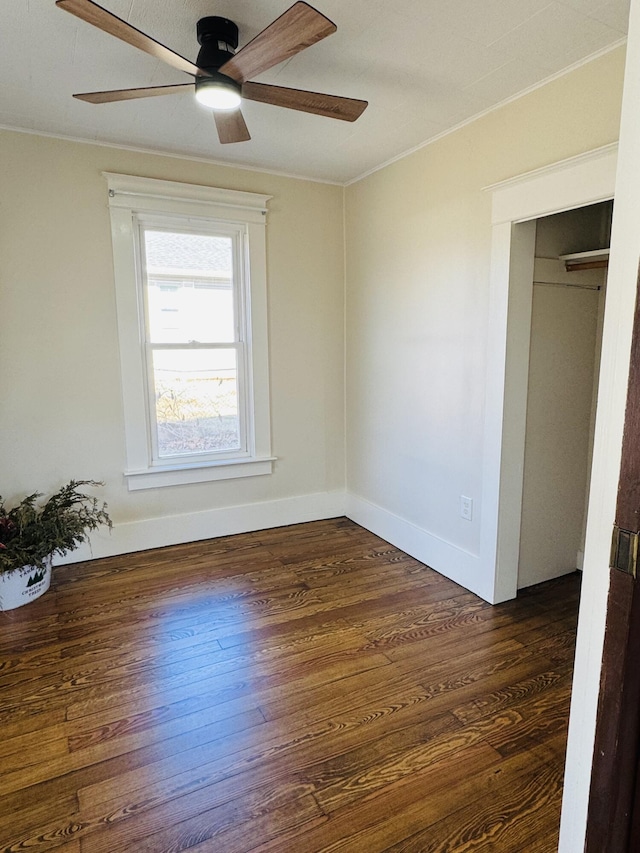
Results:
<point x="424" y="66"/>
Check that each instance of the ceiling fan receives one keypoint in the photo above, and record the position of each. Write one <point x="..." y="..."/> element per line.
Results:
<point x="222" y="76"/>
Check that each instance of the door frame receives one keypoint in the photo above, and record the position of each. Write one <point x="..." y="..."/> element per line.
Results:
<point x="516" y="203"/>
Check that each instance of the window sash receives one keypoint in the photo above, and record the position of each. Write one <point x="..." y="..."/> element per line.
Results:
<point x="243" y="450"/>
<point x="242" y="334"/>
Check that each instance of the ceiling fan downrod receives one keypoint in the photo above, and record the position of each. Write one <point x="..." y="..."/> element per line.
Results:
<point x="218" y="38"/>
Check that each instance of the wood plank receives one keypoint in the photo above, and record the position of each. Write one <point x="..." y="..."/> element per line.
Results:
<point x="403" y="721"/>
<point x="403" y="805"/>
<point x="226" y="687"/>
<point x="30" y="821"/>
<point x="69" y="847"/>
<point x="366" y="771"/>
<point x="497" y="700"/>
<point x="433" y="677"/>
<point x="415" y="805"/>
<point x="274" y="749"/>
<point x="94" y="764"/>
<point x="513" y="814"/>
<point x="310" y="688"/>
<point x="542" y="717"/>
<point x="197" y="818"/>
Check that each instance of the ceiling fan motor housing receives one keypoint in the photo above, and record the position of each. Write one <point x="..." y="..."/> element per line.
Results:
<point x="218" y="38"/>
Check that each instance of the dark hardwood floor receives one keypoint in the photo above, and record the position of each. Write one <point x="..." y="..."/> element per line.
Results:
<point x="298" y="690"/>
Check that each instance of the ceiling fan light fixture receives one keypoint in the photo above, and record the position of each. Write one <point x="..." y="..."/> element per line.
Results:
<point x="218" y="92"/>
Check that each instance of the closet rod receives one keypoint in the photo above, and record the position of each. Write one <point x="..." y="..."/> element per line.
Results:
<point x="564" y="284"/>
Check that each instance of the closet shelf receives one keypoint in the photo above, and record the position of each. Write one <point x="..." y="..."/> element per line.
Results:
<point x="596" y="259"/>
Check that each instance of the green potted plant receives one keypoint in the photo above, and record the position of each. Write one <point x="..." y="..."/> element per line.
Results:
<point x="32" y="533"/>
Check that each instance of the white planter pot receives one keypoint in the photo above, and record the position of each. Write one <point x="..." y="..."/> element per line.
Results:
<point x="23" y="585"/>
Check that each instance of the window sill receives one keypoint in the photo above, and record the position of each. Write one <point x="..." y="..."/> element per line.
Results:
<point x="179" y="475"/>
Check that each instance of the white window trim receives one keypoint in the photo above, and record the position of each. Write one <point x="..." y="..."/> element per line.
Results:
<point x="130" y="196"/>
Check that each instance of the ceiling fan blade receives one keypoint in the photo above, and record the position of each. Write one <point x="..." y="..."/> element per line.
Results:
<point x="103" y="20"/>
<point x="231" y="126"/>
<point x="299" y="27"/>
<point x="130" y="94"/>
<point x="332" y="106"/>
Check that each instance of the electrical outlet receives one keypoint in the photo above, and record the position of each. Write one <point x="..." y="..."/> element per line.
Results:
<point x="466" y="507"/>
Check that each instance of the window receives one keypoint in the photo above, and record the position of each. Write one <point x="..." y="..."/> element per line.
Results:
<point x="190" y="272"/>
<point x="195" y="348"/>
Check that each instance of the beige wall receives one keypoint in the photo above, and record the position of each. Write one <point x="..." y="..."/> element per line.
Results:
<point x="418" y="236"/>
<point x="61" y="412"/>
<point x="562" y="363"/>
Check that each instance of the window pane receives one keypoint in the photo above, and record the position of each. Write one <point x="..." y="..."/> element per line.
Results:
<point x="184" y="311"/>
<point x="189" y="287"/>
<point x="196" y="399"/>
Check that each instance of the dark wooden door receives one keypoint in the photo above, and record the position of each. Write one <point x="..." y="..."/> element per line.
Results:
<point x="613" y="824"/>
<point x="634" y="837"/>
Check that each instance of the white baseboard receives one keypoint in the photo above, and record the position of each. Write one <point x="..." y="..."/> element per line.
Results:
<point x="454" y="563"/>
<point x="131" y="536"/>
<point x="458" y="565"/>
